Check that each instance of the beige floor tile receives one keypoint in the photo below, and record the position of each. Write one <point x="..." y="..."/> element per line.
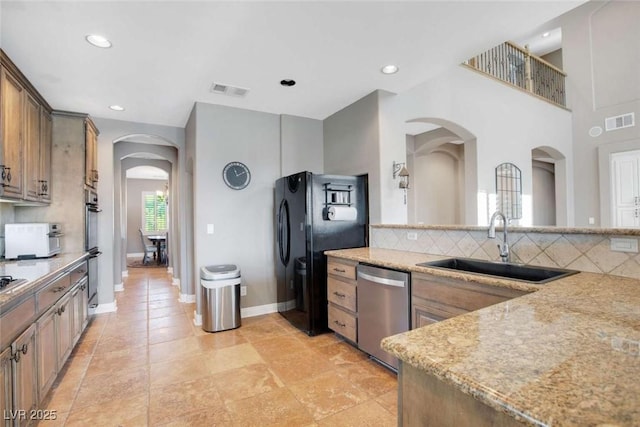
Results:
<point x="389" y="401"/>
<point x="300" y="366"/>
<point x="248" y="381"/>
<point x="342" y="353"/>
<point x="184" y="369"/>
<point x="370" y="377"/>
<point x="275" y="408"/>
<point x="55" y="419"/>
<point x="215" y="341"/>
<point x="103" y="388"/>
<point x="262" y="330"/>
<point x="171" y="321"/>
<point x="211" y="417"/>
<point x="165" y="311"/>
<point x="164" y="303"/>
<point x="327" y="394"/>
<point x="318" y="340"/>
<point x="232" y="357"/>
<point x="169" y="334"/>
<point x="127" y="409"/>
<point x="112" y="361"/>
<point x="120" y="342"/>
<point x="173" y="401"/>
<point x="278" y="347"/>
<point x="128" y="305"/>
<point x="132" y="316"/>
<point x="61" y="396"/>
<point x="174" y="350"/>
<point x="117" y="328"/>
<point x="162" y="294"/>
<point x="367" y="414"/>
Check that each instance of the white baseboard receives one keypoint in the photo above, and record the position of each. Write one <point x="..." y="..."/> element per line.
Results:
<point x="119" y="287"/>
<point x="197" y="319"/>
<point x="110" y="307"/>
<point x="175" y="281"/>
<point x="170" y="270"/>
<point x="187" y="298"/>
<point x="258" y="310"/>
<point x="135" y="255"/>
<point x="125" y="274"/>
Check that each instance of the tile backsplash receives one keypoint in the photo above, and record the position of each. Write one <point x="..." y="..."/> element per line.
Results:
<point x="587" y="251"/>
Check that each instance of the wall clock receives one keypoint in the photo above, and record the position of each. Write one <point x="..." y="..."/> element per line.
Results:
<point x="236" y="175"/>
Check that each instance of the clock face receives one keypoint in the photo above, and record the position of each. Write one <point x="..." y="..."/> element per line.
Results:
<point x="236" y="175"/>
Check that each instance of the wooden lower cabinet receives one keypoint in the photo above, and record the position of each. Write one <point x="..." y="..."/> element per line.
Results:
<point x="24" y="372"/>
<point x="425" y="400"/>
<point x="342" y="298"/>
<point x="6" y="387"/>
<point x="47" y="350"/>
<point x="436" y="298"/>
<point x="65" y="330"/>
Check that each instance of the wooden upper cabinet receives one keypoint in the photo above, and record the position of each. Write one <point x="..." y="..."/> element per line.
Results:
<point x="46" y="143"/>
<point x="25" y="142"/>
<point x="91" y="154"/>
<point x="11" y="128"/>
<point x="32" y="147"/>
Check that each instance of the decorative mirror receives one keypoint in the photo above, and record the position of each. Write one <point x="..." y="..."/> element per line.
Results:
<point x="509" y="190"/>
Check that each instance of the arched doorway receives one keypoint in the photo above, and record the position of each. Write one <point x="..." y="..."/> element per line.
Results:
<point x="441" y="158"/>
<point x="548" y="180"/>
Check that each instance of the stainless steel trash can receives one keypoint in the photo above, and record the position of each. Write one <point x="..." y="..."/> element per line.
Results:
<point x="220" y="291"/>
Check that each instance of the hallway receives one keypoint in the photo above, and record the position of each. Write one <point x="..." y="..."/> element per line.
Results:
<point x="148" y="364"/>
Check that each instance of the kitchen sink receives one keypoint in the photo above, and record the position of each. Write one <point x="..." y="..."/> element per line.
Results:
<point x="525" y="273"/>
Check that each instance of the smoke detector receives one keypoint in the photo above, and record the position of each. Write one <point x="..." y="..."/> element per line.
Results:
<point x="225" y="89"/>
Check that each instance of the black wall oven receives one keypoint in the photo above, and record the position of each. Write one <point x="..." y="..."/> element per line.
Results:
<point x="91" y="243"/>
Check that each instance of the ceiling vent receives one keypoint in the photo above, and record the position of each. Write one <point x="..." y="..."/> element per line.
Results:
<point x="619" y="122"/>
<point x="223" y="89"/>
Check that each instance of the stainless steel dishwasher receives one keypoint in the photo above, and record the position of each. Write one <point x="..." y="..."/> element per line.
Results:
<point x="383" y="309"/>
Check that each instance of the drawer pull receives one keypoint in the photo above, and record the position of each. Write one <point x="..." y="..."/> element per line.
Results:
<point x="58" y="289"/>
<point x="339" y="295"/>
<point x="342" y="325"/>
<point x="339" y="270"/>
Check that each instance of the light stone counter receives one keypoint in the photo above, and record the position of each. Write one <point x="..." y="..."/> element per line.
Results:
<point x="36" y="272"/>
<point x="566" y="355"/>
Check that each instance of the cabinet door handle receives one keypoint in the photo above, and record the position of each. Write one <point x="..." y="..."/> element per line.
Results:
<point x="25" y="348"/>
<point x="8" y="174"/>
<point x="16" y="356"/>
<point x="339" y="295"/>
<point x="339" y="270"/>
<point x="342" y="325"/>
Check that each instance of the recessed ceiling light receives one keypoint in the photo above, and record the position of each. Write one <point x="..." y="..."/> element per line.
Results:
<point x="98" y="41"/>
<point x="546" y="34"/>
<point x="389" y="69"/>
<point x="116" y="107"/>
<point x="287" y="82"/>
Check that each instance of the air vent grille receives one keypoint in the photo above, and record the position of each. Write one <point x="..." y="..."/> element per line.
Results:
<point x="619" y="122"/>
<point x="225" y="89"/>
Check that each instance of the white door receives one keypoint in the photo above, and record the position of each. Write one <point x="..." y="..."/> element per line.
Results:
<point x="625" y="179"/>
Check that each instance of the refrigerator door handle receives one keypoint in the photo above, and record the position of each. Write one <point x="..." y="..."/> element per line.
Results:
<point x="283" y="221"/>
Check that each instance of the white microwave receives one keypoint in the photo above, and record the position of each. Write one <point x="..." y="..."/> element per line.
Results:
<point x="31" y="240"/>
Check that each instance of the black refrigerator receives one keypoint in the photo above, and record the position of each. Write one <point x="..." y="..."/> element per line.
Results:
<point x="314" y="213"/>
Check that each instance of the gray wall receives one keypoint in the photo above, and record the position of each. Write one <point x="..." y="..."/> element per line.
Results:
<point x="351" y="146"/>
<point x="243" y="220"/>
<point x="544" y="193"/>
<point x="554" y="58"/>
<point x="135" y="187"/>
<point x="302" y="145"/>
<point x="7" y="215"/>
<point x="601" y="55"/>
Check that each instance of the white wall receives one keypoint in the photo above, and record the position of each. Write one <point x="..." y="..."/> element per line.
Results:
<point x="544" y="193"/>
<point x="7" y="216"/>
<point x="507" y="124"/>
<point x="243" y="220"/>
<point x="135" y="188"/>
<point x="301" y="145"/>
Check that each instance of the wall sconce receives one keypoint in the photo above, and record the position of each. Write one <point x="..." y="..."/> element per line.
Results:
<point x="399" y="169"/>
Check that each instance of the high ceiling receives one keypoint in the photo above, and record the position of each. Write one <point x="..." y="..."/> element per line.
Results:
<point x="167" y="54"/>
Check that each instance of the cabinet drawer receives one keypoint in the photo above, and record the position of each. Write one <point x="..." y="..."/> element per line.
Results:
<point x="342" y="268"/>
<point x="342" y="322"/>
<point x="78" y="273"/>
<point x="52" y="292"/>
<point x="16" y="321"/>
<point x="341" y="293"/>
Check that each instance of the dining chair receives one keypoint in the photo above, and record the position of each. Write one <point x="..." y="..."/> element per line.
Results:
<point x="148" y="249"/>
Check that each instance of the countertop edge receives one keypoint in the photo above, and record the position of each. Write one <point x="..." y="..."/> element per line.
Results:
<point x="517" y="229"/>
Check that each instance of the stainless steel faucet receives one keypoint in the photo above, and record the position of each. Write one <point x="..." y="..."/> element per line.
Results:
<point x="504" y="248"/>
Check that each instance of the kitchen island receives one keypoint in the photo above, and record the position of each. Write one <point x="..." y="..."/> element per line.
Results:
<point x="568" y="353"/>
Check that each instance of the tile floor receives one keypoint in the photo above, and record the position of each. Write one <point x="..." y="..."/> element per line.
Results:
<point x="148" y="365"/>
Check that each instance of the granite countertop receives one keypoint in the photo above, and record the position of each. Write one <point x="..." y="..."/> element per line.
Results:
<point x="568" y="354"/>
<point x="519" y="229"/>
<point x="36" y="272"/>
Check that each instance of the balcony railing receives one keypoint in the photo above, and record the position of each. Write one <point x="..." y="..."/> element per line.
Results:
<point x="516" y="66"/>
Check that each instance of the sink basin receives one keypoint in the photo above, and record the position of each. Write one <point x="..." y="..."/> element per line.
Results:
<point x="525" y="273"/>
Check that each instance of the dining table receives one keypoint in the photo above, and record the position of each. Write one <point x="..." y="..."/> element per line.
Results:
<point x="158" y="240"/>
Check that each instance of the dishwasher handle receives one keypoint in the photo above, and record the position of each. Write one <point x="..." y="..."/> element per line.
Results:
<point x="381" y="280"/>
